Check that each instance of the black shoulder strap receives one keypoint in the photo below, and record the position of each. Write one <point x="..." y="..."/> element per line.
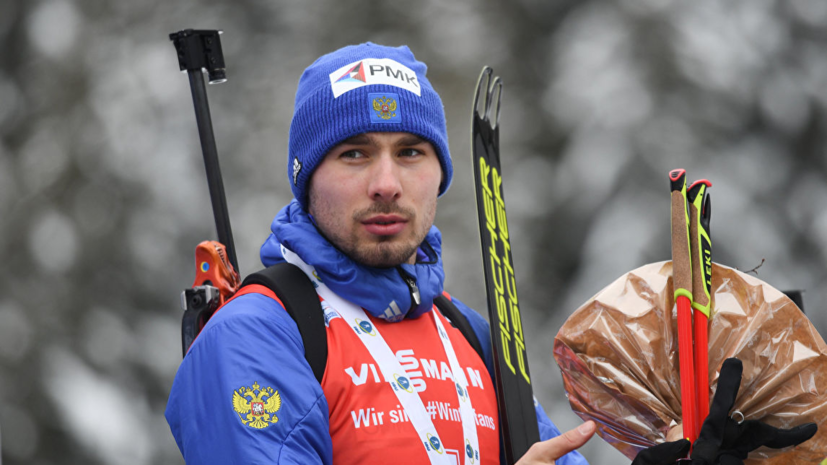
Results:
<point x="300" y="300"/>
<point x="302" y="303"/>
<point x="459" y="321"/>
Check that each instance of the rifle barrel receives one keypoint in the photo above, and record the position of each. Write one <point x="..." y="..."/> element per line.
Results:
<point x="214" y="181"/>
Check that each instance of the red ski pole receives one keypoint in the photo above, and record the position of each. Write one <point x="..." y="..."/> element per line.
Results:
<point x="682" y="282"/>
<point x="701" y="250"/>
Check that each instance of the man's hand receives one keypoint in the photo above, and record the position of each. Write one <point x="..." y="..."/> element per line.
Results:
<point x="546" y="452"/>
<point x="723" y="441"/>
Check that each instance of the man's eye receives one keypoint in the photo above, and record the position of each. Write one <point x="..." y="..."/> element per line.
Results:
<point x="352" y="154"/>
<point x="410" y="152"/>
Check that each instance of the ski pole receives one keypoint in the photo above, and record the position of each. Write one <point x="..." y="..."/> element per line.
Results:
<point x="682" y="281"/>
<point x="201" y="50"/>
<point x="700" y="211"/>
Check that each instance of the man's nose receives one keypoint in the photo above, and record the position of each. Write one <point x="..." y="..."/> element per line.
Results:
<point x="385" y="184"/>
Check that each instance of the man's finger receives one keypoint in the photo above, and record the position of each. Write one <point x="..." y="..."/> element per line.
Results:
<point x="794" y="436"/>
<point x="554" y="448"/>
<point x="780" y="438"/>
<point x="754" y="434"/>
<point x="727" y="459"/>
<point x="712" y="432"/>
<point x="667" y="452"/>
<point x="728" y="383"/>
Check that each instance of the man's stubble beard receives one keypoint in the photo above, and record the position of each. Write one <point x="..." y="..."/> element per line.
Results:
<point x="385" y="253"/>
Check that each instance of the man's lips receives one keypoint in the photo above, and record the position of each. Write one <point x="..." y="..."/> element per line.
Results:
<point x="385" y="225"/>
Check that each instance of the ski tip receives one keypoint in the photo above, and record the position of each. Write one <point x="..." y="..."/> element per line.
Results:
<point x="675" y="175"/>
<point x="495" y="95"/>
<point x="485" y="76"/>
<point x="490" y="90"/>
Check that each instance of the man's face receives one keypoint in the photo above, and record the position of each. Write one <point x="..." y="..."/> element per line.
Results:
<point x="374" y="196"/>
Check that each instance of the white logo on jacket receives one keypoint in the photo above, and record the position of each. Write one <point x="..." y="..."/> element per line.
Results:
<point x="392" y="313"/>
<point x="417" y="370"/>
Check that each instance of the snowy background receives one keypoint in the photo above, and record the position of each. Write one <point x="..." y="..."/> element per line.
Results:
<point x="103" y="196"/>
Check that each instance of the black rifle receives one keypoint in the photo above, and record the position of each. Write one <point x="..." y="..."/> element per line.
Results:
<point x="216" y="279"/>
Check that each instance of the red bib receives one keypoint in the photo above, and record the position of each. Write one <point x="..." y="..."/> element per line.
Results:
<point x="367" y="424"/>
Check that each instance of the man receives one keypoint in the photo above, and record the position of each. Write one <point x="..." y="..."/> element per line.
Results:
<point x="368" y="157"/>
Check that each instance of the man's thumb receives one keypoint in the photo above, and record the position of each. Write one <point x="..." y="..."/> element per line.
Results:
<point x="555" y="448"/>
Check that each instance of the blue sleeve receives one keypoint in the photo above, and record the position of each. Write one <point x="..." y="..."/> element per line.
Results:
<point x="249" y="359"/>
<point x="547" y="429"/>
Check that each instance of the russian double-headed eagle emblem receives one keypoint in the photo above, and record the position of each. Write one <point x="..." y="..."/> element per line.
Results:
<point x="263" y="403"/>
<point x="385" y="107"/>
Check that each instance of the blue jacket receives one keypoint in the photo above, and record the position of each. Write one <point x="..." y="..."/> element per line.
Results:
<point x="252" y="339"/>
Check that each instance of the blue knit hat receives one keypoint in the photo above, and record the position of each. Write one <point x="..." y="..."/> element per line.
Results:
<point x="358" y="89"/>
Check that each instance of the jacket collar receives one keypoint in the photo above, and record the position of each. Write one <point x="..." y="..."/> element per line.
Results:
<point x="383" y="292"/>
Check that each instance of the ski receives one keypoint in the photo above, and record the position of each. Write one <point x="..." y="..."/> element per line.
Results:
<point x="515" y="398"/>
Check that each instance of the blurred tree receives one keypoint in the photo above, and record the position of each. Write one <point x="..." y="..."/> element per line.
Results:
<point x="103" y="199"/>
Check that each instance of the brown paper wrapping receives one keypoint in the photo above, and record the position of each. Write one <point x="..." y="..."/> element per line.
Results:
<point x="619" y="360"/>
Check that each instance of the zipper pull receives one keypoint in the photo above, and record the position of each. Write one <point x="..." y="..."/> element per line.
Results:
<point x="414" y="290"/>
<point x="411" y="282"/>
